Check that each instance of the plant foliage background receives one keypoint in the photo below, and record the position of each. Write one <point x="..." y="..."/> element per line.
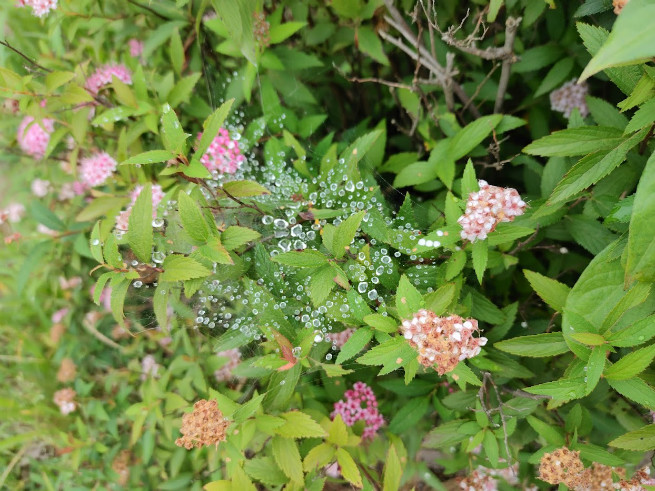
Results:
<point x="242" y="201"/>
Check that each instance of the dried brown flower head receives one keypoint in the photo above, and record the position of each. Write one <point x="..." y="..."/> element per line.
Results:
<point x="121" y="466"/>
<point x="618" y="5"/>
<point x="561" y="466"/>
<point x="65" y="399"/>
<point x="67" y="370"/>
<point x="205" y="425"/>
<point x="56" y="332"/>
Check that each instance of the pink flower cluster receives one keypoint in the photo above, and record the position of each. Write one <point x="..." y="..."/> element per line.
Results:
<point x="339" y="338"/>
<point x="360" y="404"/>
<point x="95" y="170"/>
<point x="149" y="367"/>
<point x="223" y="154"/>
<point x="39" y="7"/>
<point x="13" y="213"/>
<point x="224" y="374"/>
<point x="568" y="97"/>
<point x="105" y="75"/>
<point x="442" y="341"/>
<point x="486" y="208"/>
<point x="122" y="220"/>
<point x="136" y="47"/>
<point x="478" y="481"/>
<point x="33" y="136"/>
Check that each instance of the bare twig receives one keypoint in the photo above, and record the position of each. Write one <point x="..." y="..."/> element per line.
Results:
<point x="19" y="52"/>
<point x="511" y="27"/>
<point x="101" y="337"/>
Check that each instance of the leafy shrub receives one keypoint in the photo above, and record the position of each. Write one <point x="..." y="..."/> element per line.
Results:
<point x="302" y="245"/>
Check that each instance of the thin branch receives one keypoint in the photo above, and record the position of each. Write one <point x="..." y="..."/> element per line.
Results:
<point x="40" y="67"/>
<point x="511" y="28"/>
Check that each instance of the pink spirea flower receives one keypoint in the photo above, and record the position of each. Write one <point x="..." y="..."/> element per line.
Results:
<point x="360" y="404"/>
<point x="478" y="481"/>
<point x="95" y="170"/>
<point x="442" y="342"/>
<point x="568" y="97"/>
<point x="33" y="136"/>
<point x="223" y="154"/>
<point x="149" y="367"/>
<point x="122" y="219"/>
<point x="339" y="338"/>
<point x="13" y="213"/>
<point x="58" y="316"/>
<point x="39" y="7"/>
<point x="40" y="187"/>
<point x="136" y="47"/>
<point x="224" y="374"/>
<point x="486" y="208"/>
<point x="104" y="76"/>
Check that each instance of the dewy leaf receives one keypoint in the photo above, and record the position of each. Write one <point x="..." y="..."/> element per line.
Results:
<point x="588" y="338"/>
<point x="308" y="258"/>
<point x="641" y="241"/>
<point x="551" y="291"/>
<point x="576" y="141"/>
<point x="564" y="389"/>
<point x="192" y="219"/>
<point x="355" y="344"/>
<point x="345" y="233"/>
<point x="182" y="268"/>
<point x="211" y="126"/>
<point x="632" y="39"/>
<point x="139" y="233"/>
<point x="172" y="134"/>
<point x="408" y="299"/>
<point x="636" y="334"/>
<point x="632" y="364"/>
<point x="537" y="345"/>
<point x="244" y="189"/>
<point x="235" y="236"/>
<point x="640" y="440"/>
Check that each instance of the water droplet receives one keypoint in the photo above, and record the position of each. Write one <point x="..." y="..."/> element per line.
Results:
<point x="137" y="284"/>
<point x="158" y="222"/>
<point x="328" y="356"/>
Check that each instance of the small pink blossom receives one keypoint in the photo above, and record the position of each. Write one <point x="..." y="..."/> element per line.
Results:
<point x="223" y="154"/>
<point x="122" y="219"/>
<point x="486" y="208"/>
<point x="45" y="230"/>
<point x="360" y="404"/>
<point x="13" y="213"/>
<point x="224" y="374"/>
<point x="69" y="284"/>
<point x="95" y="170"/>
<point x="136" y="47"/>
<point x="40" y="8"/>
<point x="339" y="338"/>
<point x="33" y="136"/>
<point x="149" y="367"/>
<point x="568" y="97"/>
<point x="40" y="187"/>
<point x="58" y="316"/>
<point x="104" y="76"/>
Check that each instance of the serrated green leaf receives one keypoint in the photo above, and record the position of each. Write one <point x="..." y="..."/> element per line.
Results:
<point x="244" y="189"/>
<point x="309" y="258"/>
<point x="409" y="415"/>
<point x="235" y="236"/>
<point x="345" y="234"/>
<point x="348" y="467"/>
<point x="552" y="435"/>
<point x="632" y="364"/>
<point x="149" y="157"/>
<point x="381" y="322"/>
<point x="408" y="299"/>
<point x="355" y="344"/>
<point x="318" y="457"/>
<point x="287" y="457"/>
<point x="480" y="256"/>
<point x="576" y="141"/>
<point x="537" y="345"/>
<point x="588" y="338"/>
<point x="636" y="390"/>
<point x="551" y="291"/>
<point x="300" y="425"/>
<point x="641" y="244"/>
<point x="393" y="470"/>
<point x="211" y="126"/>
<point x="182" y="268"/>
<point x="564" y="389"/>
<point x="472" y="135"/>
<point x="192" y="218"/>
<point x="139" y="232"/>
<point x="172" y="134"/>
<point x="639" y="440"/>
<point x="439" y="300"/>
<point x="595" y="366"/>
<point x="636" y="334"/>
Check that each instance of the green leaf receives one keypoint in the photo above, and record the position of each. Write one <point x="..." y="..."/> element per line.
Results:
<point x="264" y="470"/>
<point x="192" y="218"/>
<point x="636" y="334"/>
<point x="381" y="322"/>
<point x="248" y="409"/>
<point x="44" y="216"/>
<point x="439" y="300"/>
<point x="644" y="116"/>
<point x="552" y="435"/>
<point x="345" y="234"/>
<point x="632" y="364"/>
<point x="490" y="445"/>
<point x="409" y="415"/>
<point x="211" y="126"/>
<point x="182" y="90"/>
<point x="537" y="345"/>
<point x="150" y="157"/>
<point x="309" y="258"/>
<point x="300" y="425"/>
<point x="181" y="268"/>
<point x="234" y="237"/>
<point x="285" y="453"/>
<point x="318" y="457"/>
<point x="551" y="291"/>
<point x="480" y="256"/>
<point x="631" y="41"/>
<point x="636" y="390"/>
<point x="119" y="286"/>
<point x="408" y="299"/>
<point x="172" y="134"/>
<point x="564" y="389"/>
<point x="391" y="354"/>
<point x="594" y="453"/>
<point x="214" y="251"/>
<point x="588" y="338"/>
<point x="56" y="79"/>
<point x="592" y="168"/>
<point x="139" y="233"/>
<point x="576" y="141"/>
<point x="338" y="432"/>
<point x="279" y="33"/>
<point x="507" y="232"/>
<point x="370" y="44"/>
<point x="393" y="470"/>
<point x="445" y="435"/>
<point x="472" y="135"/>
<point x="355" y="344"/>
<point x="557" y="74"/>
<point x="349" y="468"/>
<point x="469" y="181"/>
<point x="244" y="189"/>
<point x="639" y="440"/>
<point x="177" y="52"/>
<point x="641" y="241"/>
<point x="595" y="366"/>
